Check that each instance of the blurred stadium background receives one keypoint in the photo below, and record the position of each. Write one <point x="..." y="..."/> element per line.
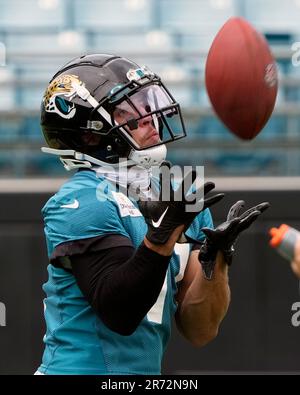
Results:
<point x="172" y="37"/>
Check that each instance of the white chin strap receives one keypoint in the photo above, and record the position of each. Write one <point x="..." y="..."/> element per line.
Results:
<point x="146" y="158"/>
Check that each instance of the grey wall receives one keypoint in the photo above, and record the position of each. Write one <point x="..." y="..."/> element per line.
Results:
<point x="256" y="335"/>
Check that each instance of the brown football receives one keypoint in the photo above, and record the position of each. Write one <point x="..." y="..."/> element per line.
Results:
<point x="241" y="78"/>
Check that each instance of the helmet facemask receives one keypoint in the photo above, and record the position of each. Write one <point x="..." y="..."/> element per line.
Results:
<point x="148" y="118"/>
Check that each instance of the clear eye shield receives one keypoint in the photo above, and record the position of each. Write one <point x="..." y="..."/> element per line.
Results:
<point x="148" y="117"/>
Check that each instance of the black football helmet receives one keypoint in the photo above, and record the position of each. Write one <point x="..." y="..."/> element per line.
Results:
<point x="104" y="109"/>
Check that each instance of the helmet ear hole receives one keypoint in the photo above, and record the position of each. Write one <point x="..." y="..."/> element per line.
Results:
<point x="90" y="138"/>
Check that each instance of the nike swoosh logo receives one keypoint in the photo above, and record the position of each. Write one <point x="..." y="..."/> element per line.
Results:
<point x="71" y="205"/>
<point x="157" y="224"/>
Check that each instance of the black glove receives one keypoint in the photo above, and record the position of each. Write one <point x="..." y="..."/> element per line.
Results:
<point x="224" y="236"/>
<point x="162" y="217"/>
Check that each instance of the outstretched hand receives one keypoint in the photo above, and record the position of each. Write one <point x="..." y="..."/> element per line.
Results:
<point x="225" y="235"/>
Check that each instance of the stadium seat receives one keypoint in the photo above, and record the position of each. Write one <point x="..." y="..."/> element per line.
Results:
<point x="195" y="16"/>
<point x="7" y="93"/>
<point x="111" y="14"/>
<point x="16" y="14"/>
<point x="273" y="15"/>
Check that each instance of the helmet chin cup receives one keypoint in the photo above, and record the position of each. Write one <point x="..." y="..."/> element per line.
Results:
<point x="149" y="157"/>
<point x="71" y="164"/>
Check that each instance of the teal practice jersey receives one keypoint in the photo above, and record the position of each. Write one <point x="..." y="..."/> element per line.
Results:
<point x="77" y="341"/>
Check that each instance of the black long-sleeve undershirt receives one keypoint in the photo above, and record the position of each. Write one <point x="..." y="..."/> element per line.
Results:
<point x="119" y="282"/>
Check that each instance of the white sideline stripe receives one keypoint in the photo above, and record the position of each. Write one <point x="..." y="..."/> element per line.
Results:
<point x="27" y="185"/>
<point x="256" y="183"/>
<point x="40" y="185"/>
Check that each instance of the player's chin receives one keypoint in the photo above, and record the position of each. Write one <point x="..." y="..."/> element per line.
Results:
<point x="154" y="139"/>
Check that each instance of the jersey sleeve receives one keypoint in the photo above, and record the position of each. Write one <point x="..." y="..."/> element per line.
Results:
<point x="80" y="214"/>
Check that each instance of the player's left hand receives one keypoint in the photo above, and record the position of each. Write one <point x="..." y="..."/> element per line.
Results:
<point x="225" y="235"/>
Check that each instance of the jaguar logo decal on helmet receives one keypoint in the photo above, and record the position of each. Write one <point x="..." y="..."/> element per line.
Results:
<point x="53" y="99"/>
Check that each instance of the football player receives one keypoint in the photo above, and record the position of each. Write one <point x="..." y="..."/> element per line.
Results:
<point x="117" y="275"/>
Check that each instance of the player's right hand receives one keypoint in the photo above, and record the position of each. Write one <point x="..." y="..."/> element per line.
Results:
<point x="163" y="217"/>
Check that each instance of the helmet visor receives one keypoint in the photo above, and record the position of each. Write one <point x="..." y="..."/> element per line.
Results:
<point x="149" y="117"/>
